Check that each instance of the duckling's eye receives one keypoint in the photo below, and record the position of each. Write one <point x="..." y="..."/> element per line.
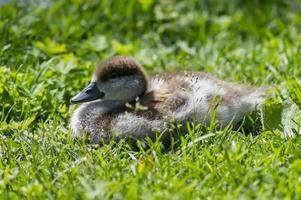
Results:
<point x="112" y="76"/>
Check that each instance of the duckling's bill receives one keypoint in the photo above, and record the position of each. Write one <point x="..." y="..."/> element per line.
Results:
<point x="90" y="93"/>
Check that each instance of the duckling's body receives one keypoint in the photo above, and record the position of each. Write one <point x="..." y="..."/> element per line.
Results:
<point x="181" y="96"/>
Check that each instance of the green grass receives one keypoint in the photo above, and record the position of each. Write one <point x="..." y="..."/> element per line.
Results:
<point x="48" y="51"/>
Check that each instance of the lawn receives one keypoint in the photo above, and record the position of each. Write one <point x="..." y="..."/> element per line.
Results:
<point x="48" y="50"/>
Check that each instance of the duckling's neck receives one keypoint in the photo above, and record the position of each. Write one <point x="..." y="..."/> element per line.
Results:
<point x="104" y="106"/>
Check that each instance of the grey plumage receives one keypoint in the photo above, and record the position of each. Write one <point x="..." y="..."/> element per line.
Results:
<point x="180" y="96"/>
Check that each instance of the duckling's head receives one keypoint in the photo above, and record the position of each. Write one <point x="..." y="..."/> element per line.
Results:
<point x="119" y="78"/>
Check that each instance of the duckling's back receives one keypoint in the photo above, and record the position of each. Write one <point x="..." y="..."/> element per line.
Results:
<point x="194" y="96"/>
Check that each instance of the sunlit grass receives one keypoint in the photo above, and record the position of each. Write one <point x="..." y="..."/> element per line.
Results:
<point x="49" y="49"/>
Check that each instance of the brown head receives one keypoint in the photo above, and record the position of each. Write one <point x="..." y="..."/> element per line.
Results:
<point x="119" y="78"/>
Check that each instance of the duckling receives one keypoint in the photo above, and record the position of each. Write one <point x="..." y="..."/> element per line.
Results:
<point x="120" y="83"/>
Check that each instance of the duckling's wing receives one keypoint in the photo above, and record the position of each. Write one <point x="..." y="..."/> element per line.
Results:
<point x="160" y="103"/>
